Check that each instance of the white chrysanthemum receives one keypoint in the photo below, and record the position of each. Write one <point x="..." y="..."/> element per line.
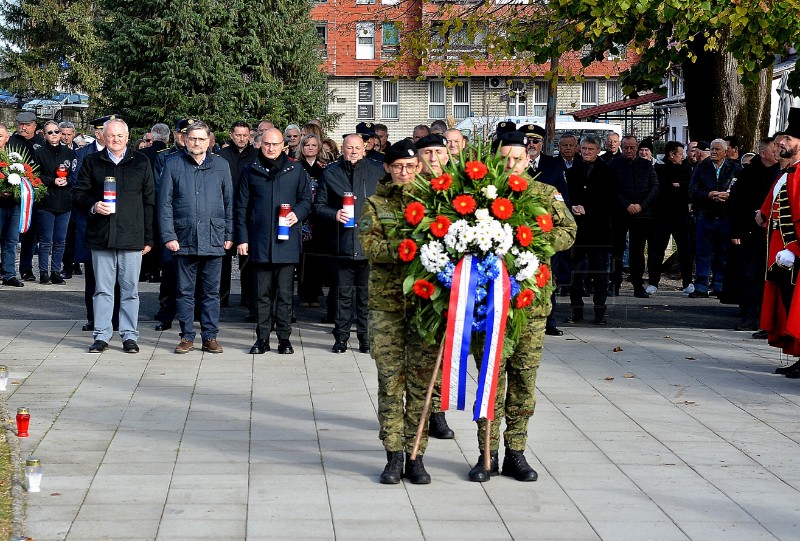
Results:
<point x="528" y="264"/>
<point x="433" y="257"/>
<point x="482" y="215"/>
<point x="490" y="191"/>
<point x="14" y="179"/>
<point x="16" y="156"/>
<point x="17" y="167"/>
<point x="504" y="241"/>
<point x="484" y="234"/>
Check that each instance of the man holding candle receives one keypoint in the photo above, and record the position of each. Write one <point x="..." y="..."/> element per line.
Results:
<point x="196" y="221"/>
<point x="118" y="234"/>
<point x="272" y="180"/>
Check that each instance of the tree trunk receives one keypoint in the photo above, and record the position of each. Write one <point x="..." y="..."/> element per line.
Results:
<point x="717" y="104"/>
<point x="552" y="107"/>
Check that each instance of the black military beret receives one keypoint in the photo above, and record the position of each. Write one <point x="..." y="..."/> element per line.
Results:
<point x="432" y="140"/>
<point x="402" y="149"/>
<point x="532" y="130"/>
<point x="513" y="139"/>
<point x="705" y="146"/>
<point x="365" y="128"/>
<point x="505" y="127"/>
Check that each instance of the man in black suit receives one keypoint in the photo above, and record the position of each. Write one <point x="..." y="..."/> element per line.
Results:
<point x="549" y="170"/>
<point x="593" y="188"/>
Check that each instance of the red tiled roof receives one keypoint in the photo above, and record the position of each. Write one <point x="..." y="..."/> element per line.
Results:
<point x="583" y="114"/>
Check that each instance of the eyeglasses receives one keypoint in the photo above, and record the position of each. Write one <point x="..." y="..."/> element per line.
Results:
<point x="398" y="167"/>
<point x="293" y="136"/>
<point x="52" y="132"/>
<point x="197" y="139"/>
<point x="535" y="140"/>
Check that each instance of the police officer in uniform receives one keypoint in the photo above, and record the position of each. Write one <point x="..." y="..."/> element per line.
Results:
<point x="405" y="362"/>
<point x="517" y="378"/>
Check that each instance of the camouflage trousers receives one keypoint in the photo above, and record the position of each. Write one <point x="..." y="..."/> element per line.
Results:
<point x="405" y="363"/>
<point x="516" y="383"/>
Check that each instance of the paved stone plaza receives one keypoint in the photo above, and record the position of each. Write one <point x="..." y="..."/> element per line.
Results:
<point x="684" y="434"/>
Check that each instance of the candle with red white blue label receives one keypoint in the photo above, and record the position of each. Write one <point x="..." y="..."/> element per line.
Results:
<point x="110" y="193"/>
<point x="283" y="222"/>
<point x="349" y="206"/>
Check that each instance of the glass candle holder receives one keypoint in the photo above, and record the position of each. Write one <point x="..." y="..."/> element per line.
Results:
<point x="3" y="378"/>
<point x="23" y="422"/>
<point x="33" y="474"/>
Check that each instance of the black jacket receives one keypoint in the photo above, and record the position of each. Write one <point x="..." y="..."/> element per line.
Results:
<point x="747" y="195"/>
<point x="597" y="192"/>
<point x="637" y="184"/>
<point x="237" y="161"/>
<point x="131" y="226"/>
<point x="17" y="142"/>
<point x="48" y="158"/>
<point x="361" y="179"/>
<point x="262" y="190"/>
<point x="672" y="201"/>
<point x="550" y="170"/>
<point x="705" y="180"/>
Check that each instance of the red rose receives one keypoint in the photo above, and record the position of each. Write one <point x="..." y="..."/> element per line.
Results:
<point x="424" y="289"/>
<point x="502" y="208"/>
<point x="525" y="298"/>
<point x="414" y="212"/>
<point x="524" y="235"/>
<point x="517" y="183"/>
<point x="28" y="168"/>
<point x="407" y="250"/>
<point x="475" y="170"/>
<point x="464" y="204"/>
<point x="442" y="182"/>
<point x="545" y="222"/>
<point x="440" y="226"/>
<point x="542" y="275"/>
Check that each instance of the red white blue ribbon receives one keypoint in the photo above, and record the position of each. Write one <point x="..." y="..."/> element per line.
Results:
<point x="26" y="204"/>
<point x="459" y="329"/>
<point x="497" y="302"/>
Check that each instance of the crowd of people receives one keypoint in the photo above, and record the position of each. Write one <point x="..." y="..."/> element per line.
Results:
<point x="293" y="210"/>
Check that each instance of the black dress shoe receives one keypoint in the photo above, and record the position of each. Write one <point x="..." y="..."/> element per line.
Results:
<point x="88" y="326"/>
<point x="697" y="294"/>
<point x="641" y="294"/>
<point x="66" y="275"/>
<point x="363" y="346"/>
<point x="600" y="320"/>
<point x="163" y="326"/>
<point x="57" y="279"/>
<point x="98" y="347"/>
<point x="250" y="318"/>
<point x="478" y="473"/>
<point x="783" y="370"/>
<point x="285" y="347"/>
<point x="553" y="331"/>
<point x="28" y="276"/>
<point x="76" y="269"/>
<point x="260" y="347"/>
<point x="339" y="347"/>
<point x="130" y="346"/>
<point x="326" y="319"/>
<point x="760" y="335"/>
<point x="13" y="282"/>
<point x="794" y="373"/>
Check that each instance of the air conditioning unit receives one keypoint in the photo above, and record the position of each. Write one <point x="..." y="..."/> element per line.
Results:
<point x="495" y="83"/>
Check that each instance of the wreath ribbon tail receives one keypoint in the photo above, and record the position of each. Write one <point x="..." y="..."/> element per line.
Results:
<point x="25" y="204"/>
<point x="497" y="305"/>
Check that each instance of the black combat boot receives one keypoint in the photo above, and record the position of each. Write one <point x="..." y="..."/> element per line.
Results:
<point x="44" y="278"/>
<point x="577" y="315"/>
<point x="515" y="465"/>
<point x="437" y="427"/>
<point x="394" y="468"/>
<point x="478" y="474"/>
<point x="415" y="471"/>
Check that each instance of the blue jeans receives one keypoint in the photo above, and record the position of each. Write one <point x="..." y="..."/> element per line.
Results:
<point x="205" y="272"/>
<point x="110" y="267"/>
<point x="712" y="246"/>
<point x="52" y="237"/>
<point x="9" y="237"/>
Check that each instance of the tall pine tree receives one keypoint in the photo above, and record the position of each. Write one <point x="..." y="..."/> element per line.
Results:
<point x="165" y="59"/>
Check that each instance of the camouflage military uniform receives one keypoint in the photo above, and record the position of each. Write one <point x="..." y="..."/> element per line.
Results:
<point x="405" y="362"/>
<point x="517" y="402"/>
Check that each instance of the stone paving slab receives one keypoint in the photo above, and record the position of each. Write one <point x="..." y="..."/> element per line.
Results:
<point x="682" y="434"/>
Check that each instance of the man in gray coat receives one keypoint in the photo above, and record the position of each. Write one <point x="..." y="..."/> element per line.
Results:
<point x="195" y="216"/>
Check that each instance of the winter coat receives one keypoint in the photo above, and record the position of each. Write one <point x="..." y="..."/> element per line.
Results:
<point x="48" y="158"/>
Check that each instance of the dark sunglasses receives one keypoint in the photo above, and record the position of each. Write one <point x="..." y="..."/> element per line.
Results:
<point x="52" y="132"/>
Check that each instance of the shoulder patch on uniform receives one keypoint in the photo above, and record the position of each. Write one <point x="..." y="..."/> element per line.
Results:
<point x="558" y="197"/>
<point x="386" y="216"/>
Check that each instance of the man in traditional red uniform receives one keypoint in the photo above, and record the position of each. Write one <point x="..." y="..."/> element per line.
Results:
<point x="780" y="213"/>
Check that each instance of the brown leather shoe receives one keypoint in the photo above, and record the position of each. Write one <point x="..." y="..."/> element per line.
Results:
<point x="185" y="346"/>
<point x="212" y="346"/>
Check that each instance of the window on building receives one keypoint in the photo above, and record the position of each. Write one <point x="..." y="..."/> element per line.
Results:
<point x="517" y="99"/>
<point x="365" y="107"/>
<point x="390" y="35"/>
<point x="389" y="100"/>
<point x="539" y="98"/>
<point x="675" y="87"/>
<point x="365" y="41"/>
<point x="446" y="37"/>
<point x="365" y="1"/>
<point x="390" y="2"/>
<point x="613" y="91"/>
<point x="461" y="107"/>
<point x="436" y="99"/>
<point x="588" y="94"/>
<point x="322" y="34"/>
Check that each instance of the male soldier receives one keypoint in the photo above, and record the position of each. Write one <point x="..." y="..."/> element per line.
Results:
<point x="358" y="175"/>
<point x="371" y="141"/>
<point x="517" y="402"/>
<point x="405" y="362"/>
<point x="196" y="222"/>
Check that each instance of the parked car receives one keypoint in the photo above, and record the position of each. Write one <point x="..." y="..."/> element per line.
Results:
<point x="53" y="107"/>
<point x="14" y="98"/>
